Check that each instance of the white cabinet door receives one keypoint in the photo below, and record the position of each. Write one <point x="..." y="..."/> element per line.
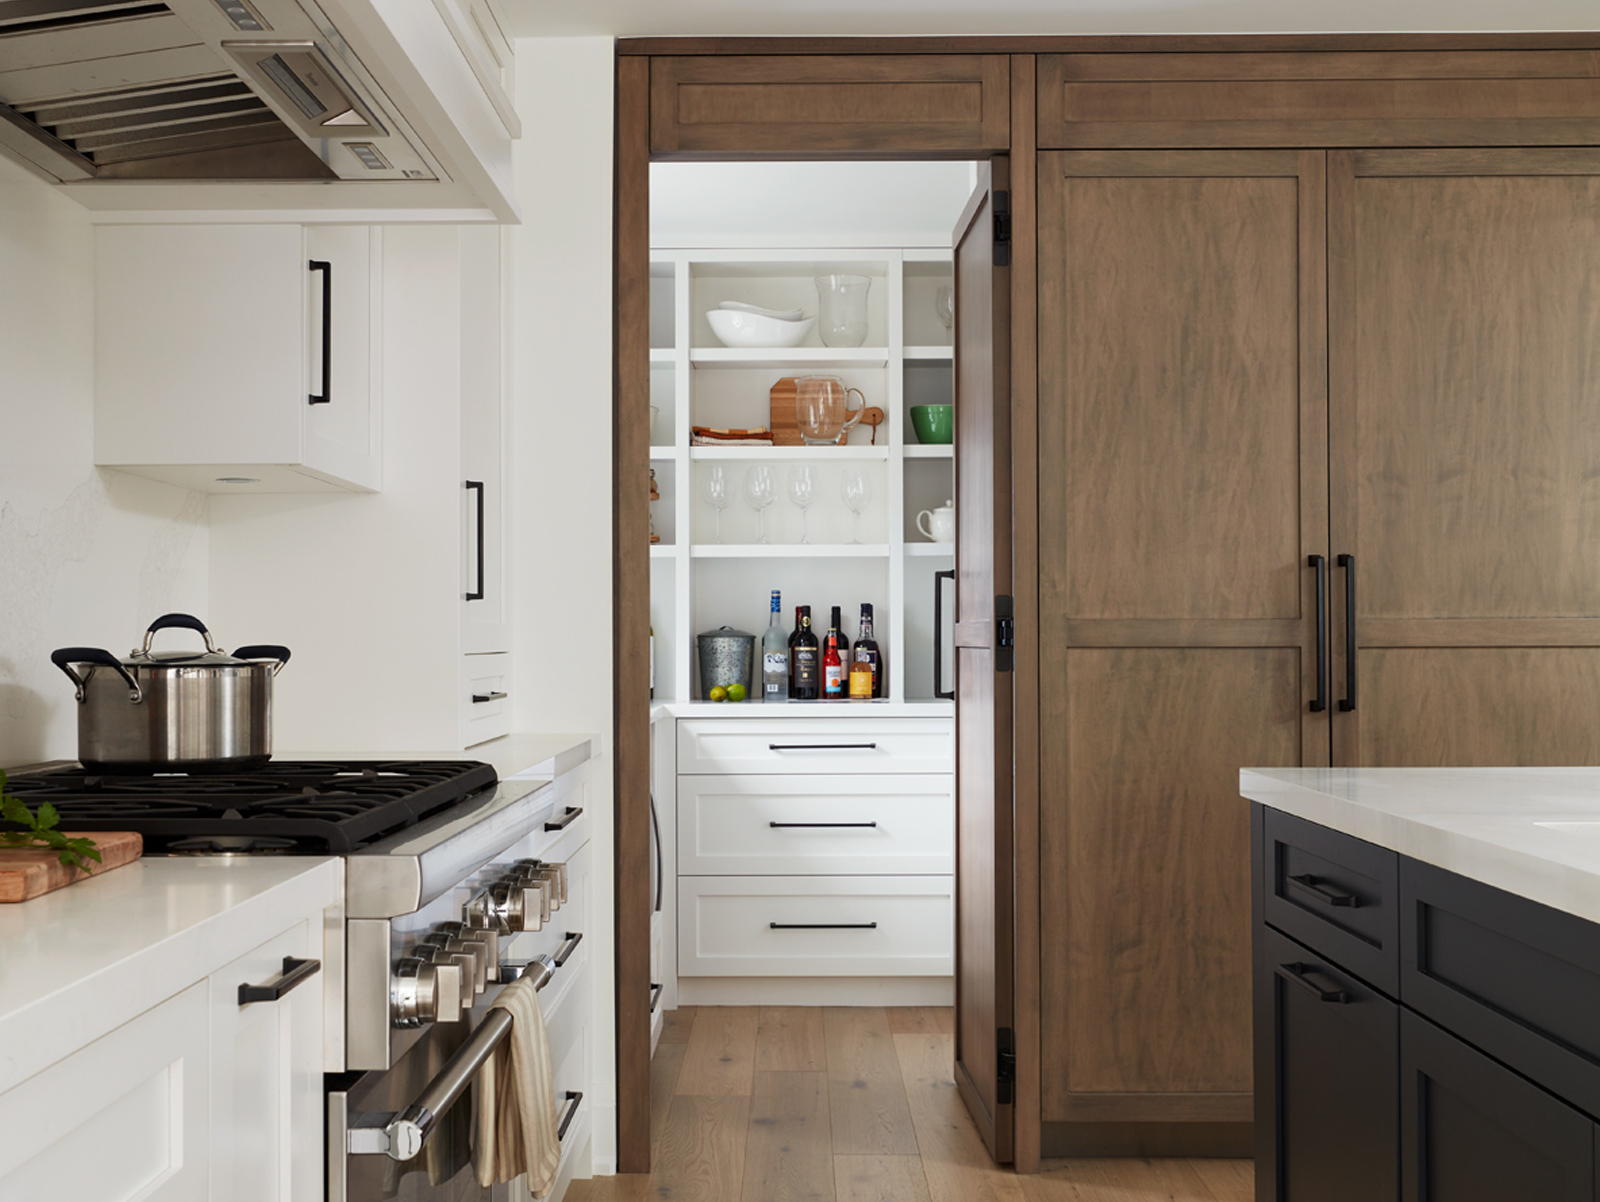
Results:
<point x="266" y="1076"/>
<point x="485" y="624"/>
<point x="204" y="357"/>
<point x="343" y="432"/>
<point x="125" y="1117"/>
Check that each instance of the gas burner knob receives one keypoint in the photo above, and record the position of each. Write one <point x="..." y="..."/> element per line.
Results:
<point x="424" y="991"/>
<point x="509" y="905"/>
<point x="487" y="941"/>
<point x="558" y="872"/>
<point x="473" y="957"/>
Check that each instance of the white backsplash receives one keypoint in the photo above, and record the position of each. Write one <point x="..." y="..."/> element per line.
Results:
<point x="87" y="556"/>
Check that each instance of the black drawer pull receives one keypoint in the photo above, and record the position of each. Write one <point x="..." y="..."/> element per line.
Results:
<point x="480" y="698"/>
<point x="655" y="996"/>
<point x="823" y="926"/>
<point x="822" y="747"/>
<point x="566" y="819"/>
<point x="818" y="824"/>
<point x="568" y="945"/>
<point x="1295" y="973"/>
<point x="576" y="1098"/>
<point x="295" y="972"/>
<point x="1326" y="893"/>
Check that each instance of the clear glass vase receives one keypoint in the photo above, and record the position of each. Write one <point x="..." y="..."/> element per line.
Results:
<point x="842" y="309"/>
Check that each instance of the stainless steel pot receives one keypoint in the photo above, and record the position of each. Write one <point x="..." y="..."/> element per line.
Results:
<point x="174" y="711"/>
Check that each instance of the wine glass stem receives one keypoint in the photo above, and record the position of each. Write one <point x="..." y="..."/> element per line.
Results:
<point x="761" y="526"/>
<point x="719" y="526"/>
<point x="857" y="538"/>
<point x="805" y="536"/>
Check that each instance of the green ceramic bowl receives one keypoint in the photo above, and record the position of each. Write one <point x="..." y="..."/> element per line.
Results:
<point x="935" y="424"/>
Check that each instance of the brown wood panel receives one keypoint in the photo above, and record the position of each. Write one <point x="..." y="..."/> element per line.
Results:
<point x="1027" y="947"/>
<point x="789" y="1039"/>
<point x="789" y="1151"/>
<point x="1499" y="160"/>
<point x="1471" y="98"/>
<point x="1480" y="632"/>
<point x="1186" y="632"/>
<point x="1480" y="707"/>
<point x="829" y="105"/>
<point x="1194" y="43"/>
<point x="879" y="1179"/>
<point x="955" y="1160"/>
<point x="722" y="1052"/>
<point x="630" y="651"/>
<point x="866" y="1099"/>
<point x="702" y="1150"/>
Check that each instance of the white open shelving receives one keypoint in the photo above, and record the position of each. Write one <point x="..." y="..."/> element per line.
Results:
<point x="699" y="582"/>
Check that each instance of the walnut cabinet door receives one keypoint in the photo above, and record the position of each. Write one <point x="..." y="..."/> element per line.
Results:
<point x="1183" y="532"/>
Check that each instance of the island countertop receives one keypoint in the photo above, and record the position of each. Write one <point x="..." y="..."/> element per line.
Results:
<point x="1534" y="832"/>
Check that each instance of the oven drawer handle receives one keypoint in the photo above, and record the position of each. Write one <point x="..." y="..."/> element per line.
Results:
<point x="295" y="972"/>
<point x="566" y="819"/>
<point x="575" y="1099"/>
<point x="569" y="944"/>
<point x="401" y="1136"/>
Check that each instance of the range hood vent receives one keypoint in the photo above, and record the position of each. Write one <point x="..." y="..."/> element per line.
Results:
<point x="33" y="16"/>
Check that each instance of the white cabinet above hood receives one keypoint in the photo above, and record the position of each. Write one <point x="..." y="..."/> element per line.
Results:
<point x="130" y="104"/>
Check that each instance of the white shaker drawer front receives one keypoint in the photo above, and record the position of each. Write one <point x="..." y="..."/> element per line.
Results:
<point x="733" y="825"/>
<point x="485" y="697"/>
<point x="882" y="926"/>
<point x="820" y="745"/>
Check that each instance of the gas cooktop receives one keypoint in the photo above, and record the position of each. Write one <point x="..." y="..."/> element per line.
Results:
<point x="291" y="808"/>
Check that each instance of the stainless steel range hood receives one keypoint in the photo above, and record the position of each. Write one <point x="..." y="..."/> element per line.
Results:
<point x="193" y="90"/>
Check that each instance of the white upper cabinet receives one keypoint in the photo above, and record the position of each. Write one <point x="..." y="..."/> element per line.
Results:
<point x="485" y="616"/>
<point x="239" y="358"/>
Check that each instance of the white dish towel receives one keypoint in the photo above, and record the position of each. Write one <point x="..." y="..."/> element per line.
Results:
<point x="517" y="1106"/>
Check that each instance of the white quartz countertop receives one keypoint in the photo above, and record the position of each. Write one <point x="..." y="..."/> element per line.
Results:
<point x="79" y="962"/>
<point x="528" y="756"/>
<point x="1530" y="831"/>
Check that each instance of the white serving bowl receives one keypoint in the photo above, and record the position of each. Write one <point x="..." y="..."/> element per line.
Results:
<point x="734" y="328"/>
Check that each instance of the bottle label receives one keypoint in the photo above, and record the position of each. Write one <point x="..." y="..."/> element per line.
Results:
<point x="833" y="682"/>
<point x="861" y="679"/>
<point x="805" y="668"/>
<point x="775" y="673"/>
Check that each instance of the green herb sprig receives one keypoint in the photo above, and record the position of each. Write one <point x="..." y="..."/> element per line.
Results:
<point x="40" y="831"/>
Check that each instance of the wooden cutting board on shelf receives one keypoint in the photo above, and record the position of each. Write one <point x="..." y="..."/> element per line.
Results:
<point x="781" y="418"/>
<point x="26" y="872"/>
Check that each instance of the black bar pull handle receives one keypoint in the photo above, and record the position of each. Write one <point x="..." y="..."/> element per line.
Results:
<point x="822" y="747"/>
<point x="655" y="995"/>
<point x="823" y="926"/>
<point x="482" y="698"/>
<point x="1348" y="703"/>
<point x="938" y="634"/>
<point x="476" y="486"/>
<point x="575" y="1099"/>
<point x="326" y="394"/>
<point x="295" y="972"/>
<point x="1326" y="893"/>
<point x="566" y="819"/>
<point x="1295" y="974"/>
<point x="776" y="825"/>
<point x="1320" y="562"/>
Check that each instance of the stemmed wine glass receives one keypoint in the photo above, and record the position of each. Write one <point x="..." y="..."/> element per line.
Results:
<point x="760" y="491"/>
<point x="718" y="495"/>
<point x="856" y="490"/>
<point x="802" y="493"/>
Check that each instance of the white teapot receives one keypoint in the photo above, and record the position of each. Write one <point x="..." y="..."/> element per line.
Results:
<point x="939" y="525"/>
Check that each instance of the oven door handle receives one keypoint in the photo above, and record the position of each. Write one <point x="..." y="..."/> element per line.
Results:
<point x="401" y="1136"/>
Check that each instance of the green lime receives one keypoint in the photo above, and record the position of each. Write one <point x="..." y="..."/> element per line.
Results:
<point x="719" y="693"/>
<point x="736" y="692"/>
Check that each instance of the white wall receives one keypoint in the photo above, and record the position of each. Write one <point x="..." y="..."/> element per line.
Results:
<point x="87" y="556"/>
<point x="562" y="512"/>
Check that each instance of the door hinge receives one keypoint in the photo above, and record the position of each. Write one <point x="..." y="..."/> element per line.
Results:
<point x="1002" y="229"/>
<point x="1005" y="1060"/>
<point x="1005" y="627"/>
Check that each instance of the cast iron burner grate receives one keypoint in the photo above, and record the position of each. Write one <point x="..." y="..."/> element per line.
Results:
<point x="308" y="808"/>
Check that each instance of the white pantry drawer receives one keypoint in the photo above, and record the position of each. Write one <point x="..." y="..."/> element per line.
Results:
<point x="485" y="697"/>
<point x="800" y="825"/>
<point x="791" y="926"/>
<point x="809" y="746"/>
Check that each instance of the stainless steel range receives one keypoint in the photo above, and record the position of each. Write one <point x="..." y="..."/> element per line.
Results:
<point x="456" y="882"/>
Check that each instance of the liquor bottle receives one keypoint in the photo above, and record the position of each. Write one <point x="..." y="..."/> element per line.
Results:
<point x="832" y="669"/>
<point x="775" y="656"/>
<point x="807" y="661"/>
<point x="867" y="650"/>
<point x="836" y="624"/>
<point x="793" y="635"/>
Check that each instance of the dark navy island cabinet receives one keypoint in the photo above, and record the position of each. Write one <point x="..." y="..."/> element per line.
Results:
<point x="1419" y="1037"/>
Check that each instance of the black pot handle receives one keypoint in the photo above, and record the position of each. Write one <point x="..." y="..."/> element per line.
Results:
<point x="178" y="622"/>
<point x="67" y="656"/>
<point x="265" y="651"/>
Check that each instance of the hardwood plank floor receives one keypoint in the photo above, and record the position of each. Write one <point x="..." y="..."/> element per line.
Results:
<point x="676" y="1025"/>
<point x="746" y="1106"/>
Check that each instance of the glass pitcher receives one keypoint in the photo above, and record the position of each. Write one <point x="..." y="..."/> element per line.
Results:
<point x="842" y="309"/>
<point x="822" y="410"/>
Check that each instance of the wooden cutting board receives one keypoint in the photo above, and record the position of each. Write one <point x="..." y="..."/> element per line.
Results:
<point x="781" y="419"/>
<point x="29" y="871"/>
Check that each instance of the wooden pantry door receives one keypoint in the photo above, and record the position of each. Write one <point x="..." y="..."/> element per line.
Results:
<point x="1465" y="407"/>
<point x="1183" y="486"/>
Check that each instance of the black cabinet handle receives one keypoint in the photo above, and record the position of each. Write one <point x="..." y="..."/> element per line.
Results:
<point x="938" y="634"/>
<point x="326" y="394"/>
<point x="1295" y="974"/>
<point x="477" y="487"/>
<point x="1348" y="563"/>
<point x="569" y="945"/>
<point x="1322" y="891"/>
<point x="823" y="926"/>
<point x="480" y="698"/>
<point x="1320" y="562"/>
<point x="295" y="972"/>
<point x="777" y="825"/>
<point x="566" y="819"/>
<point x="822" y="746"/>
<point x="655" y="995"/>
<point x="576" y="1098"/>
